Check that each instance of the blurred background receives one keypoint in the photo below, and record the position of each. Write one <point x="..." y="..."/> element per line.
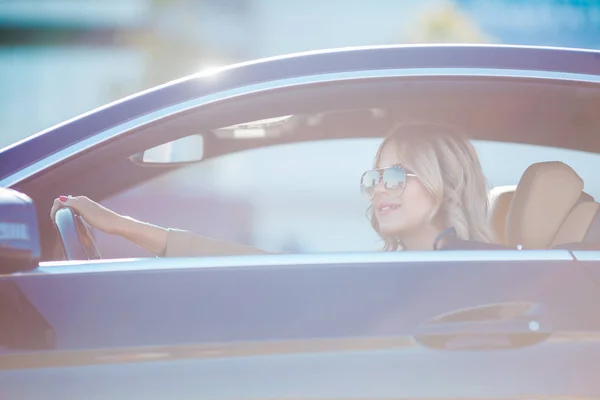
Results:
<point x="60" y="58"/>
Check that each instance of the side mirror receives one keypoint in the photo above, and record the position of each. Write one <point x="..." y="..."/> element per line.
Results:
<point x="186" y="150"/>
<point x="19" y="233"/>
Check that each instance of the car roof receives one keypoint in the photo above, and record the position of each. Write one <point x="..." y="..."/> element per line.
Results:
<point x="554" y="114"/>
<point x="552" y="63"/>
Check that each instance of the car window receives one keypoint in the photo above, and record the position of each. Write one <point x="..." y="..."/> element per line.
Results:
<point x="504" y="163"/>
<point x="301" y="197"/>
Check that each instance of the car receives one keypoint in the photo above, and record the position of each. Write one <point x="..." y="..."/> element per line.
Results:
<point x="85" y="316"/>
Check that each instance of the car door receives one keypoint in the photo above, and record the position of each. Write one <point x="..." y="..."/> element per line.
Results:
<point x="480" y="324"/>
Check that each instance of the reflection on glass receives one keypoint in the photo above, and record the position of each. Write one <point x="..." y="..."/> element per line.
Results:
<point x="184" y="150"/>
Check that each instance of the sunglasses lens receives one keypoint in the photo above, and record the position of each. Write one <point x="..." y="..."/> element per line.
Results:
<point x="394" y="178"/>
<point x="368" y="181"/>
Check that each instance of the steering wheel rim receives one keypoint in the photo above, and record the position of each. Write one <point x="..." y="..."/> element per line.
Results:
<point x="77" y="240"/>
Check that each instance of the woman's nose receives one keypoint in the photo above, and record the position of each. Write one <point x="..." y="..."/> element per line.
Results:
<point x="379" y="187"/>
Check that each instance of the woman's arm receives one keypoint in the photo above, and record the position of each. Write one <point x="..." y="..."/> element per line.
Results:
<point x="157" y="240"/>
<point x="178" y="243"/>
<point x="151" y="237"/>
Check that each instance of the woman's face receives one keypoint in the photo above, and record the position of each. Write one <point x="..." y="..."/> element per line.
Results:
<point x="401" y="212"/>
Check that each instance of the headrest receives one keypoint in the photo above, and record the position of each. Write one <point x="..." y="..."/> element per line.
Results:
<point x="586" y="197"/>
<point x="544" y="197"/>
<point x="500" y="199"/>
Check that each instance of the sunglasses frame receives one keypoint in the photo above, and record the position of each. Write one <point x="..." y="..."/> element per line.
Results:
<point x="380" y="171"/>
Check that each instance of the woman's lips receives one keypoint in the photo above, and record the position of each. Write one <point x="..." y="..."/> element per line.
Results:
<point x="386" y="208"/>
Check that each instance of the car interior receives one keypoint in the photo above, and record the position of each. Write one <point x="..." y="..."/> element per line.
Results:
<point x="578" y="227"/>
<point x="547" y="208"/>
<point x="538" y="216"/>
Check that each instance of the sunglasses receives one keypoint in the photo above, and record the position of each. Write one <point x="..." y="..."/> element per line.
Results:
<point x="393" y="178"/>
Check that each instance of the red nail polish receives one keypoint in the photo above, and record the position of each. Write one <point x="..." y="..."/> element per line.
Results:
<point x="63" y="198"/>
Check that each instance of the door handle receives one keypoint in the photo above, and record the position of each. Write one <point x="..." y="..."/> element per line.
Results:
<point x="491" y="326"/>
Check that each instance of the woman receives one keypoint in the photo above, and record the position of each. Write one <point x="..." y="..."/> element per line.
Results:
<point x="436" y="187"/>
<point x="427" y="191"/>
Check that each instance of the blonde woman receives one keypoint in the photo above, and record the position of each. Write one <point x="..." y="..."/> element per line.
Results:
<point x="427" y="185"/>
<point x="427" y="191"/>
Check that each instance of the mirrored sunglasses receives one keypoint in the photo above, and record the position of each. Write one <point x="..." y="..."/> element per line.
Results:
<point x="393" y="178"/>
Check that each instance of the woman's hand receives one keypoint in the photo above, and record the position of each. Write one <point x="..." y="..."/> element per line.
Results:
<point x="151" y="237"/>
<point x="93" y="213"/>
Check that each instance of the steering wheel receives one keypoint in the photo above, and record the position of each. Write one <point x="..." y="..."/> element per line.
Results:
<point x="76" y="238"/>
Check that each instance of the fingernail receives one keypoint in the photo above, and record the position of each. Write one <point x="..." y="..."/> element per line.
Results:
<point x="63" y="198"/>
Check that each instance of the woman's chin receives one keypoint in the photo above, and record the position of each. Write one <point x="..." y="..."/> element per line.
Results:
<point x="391" y="230"/>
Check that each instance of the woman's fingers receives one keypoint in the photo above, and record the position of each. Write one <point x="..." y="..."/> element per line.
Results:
<point x="64" y="201"/>
<point x="93" y="213"/>
<point x="58" y="204"/>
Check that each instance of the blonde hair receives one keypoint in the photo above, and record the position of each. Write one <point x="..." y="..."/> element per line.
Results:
<point x="448" y="166"/>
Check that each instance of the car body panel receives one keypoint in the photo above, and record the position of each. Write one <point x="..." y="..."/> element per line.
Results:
<point x="590" y="259"/>
<point x="255" y="323"/>
<point x="378" y="374"/>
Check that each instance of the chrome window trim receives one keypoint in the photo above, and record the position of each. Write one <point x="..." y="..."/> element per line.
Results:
<point x="586" y="255"/>
<point x="283" y="260"/>
<point x="115" y="131"/>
